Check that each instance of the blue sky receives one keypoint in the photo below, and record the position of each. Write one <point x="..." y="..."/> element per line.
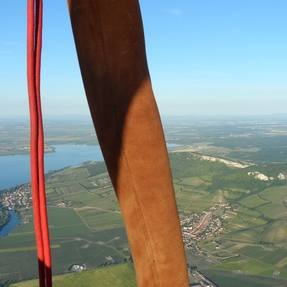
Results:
<point x="205" y="57"/>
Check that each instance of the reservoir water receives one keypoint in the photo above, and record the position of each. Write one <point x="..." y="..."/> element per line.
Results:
<point x="15" y="169"/>
<point x="12" y="223"/>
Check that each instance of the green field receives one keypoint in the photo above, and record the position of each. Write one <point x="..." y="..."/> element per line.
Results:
<point x="86" y="224"/>
<point x="253" y="242"/>
<point x="228" y="279"/>
<point x="121" y="275"/>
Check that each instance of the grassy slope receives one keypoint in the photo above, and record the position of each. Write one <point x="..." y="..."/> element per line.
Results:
<point x="228" y="279"/>
<point x="121" y="275"/>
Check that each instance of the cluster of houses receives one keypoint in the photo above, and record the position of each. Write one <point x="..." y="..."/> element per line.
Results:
<point x="197" y="279"/>
<point x="199" y="226"/>
<point x="19" y="197"/>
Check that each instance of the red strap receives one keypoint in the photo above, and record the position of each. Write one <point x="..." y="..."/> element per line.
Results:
<point x="34" y="47"/>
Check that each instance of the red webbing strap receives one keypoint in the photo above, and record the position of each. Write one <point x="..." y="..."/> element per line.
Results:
<point x="34" y="47"/>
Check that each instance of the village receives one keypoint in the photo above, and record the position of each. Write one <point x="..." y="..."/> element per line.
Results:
<point x="197" y="279"/>
<point x="199" y="226"/>
<point x="16" y="197"/>
<point x="196" y="227"/>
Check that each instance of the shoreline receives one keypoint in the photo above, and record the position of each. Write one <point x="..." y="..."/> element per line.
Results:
<point x="52" y="148"/>
<point x="26" y="151"/>
<point x="6" y="218"/>
<point x="13" y="220"/>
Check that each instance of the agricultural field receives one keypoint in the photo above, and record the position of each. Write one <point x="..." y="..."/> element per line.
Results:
<point x="260" y="139"/>
<point x="121" y="275"/>
<point x="253" y="240"/>
<point x="85" y="225"/>
<point x="245" y="198"/>
<point x="228" y="279"/>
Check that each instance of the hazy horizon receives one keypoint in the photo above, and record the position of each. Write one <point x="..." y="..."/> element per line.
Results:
<point x="88" y="116"/>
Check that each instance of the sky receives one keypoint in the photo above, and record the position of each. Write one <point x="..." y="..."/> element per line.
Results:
<point x="206" y="57"/>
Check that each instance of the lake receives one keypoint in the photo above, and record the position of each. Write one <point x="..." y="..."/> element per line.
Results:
<point x="12" y="223"/>
<point x="15" y="169"/>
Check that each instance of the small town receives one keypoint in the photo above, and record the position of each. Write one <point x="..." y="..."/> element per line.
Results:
<point x="197" y="279"/>
<point x="16" y="197"/>
<point x="200" y="226"/>
<point x="197" y="227"/>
